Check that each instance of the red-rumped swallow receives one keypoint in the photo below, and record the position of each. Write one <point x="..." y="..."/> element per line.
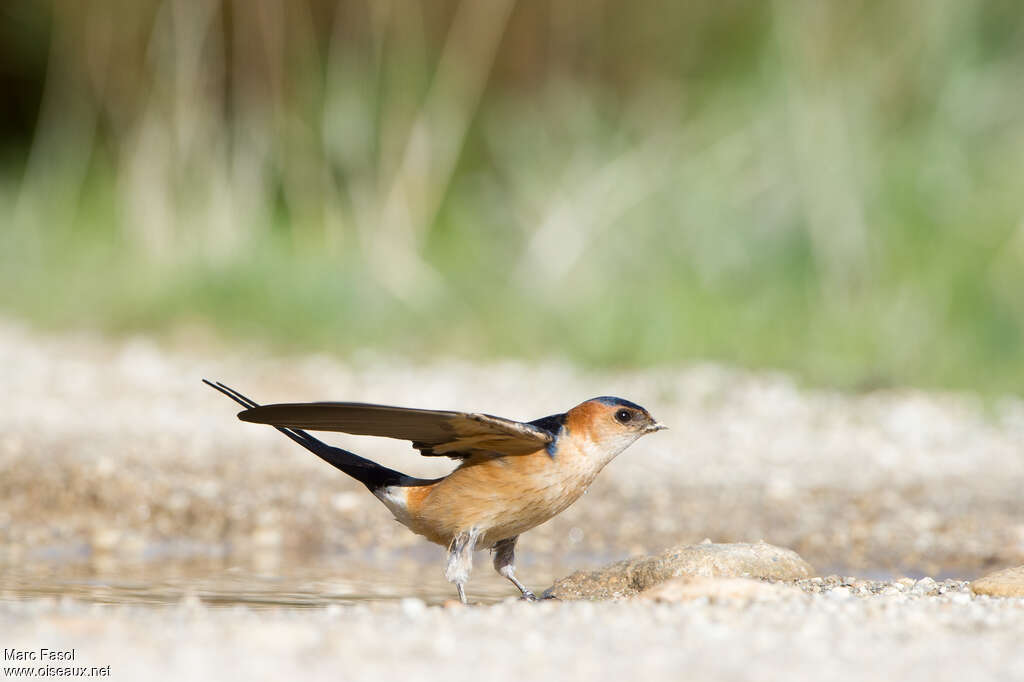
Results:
<point x="512" y="477"/>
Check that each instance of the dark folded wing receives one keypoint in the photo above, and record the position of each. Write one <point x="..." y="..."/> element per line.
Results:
<point x="433" y="432"/>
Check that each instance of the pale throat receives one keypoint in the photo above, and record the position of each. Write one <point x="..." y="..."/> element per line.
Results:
<point x="596" y="454"/>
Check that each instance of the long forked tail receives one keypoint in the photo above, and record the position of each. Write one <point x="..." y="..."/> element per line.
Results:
<point x="369" y="473"/>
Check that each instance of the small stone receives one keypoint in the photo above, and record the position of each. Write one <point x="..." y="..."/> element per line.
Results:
<point x="632" y="576"/>
<point x="840" y="593"/>
<point x="715" y="589"/>
<point x="413" y="607"/>
<point x="925" y="586"/>
<point x="1006" y="583"/>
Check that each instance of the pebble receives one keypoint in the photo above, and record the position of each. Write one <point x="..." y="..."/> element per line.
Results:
<point x="413" y="607"/>
<point x="925" y="586"/>
<point x="840" y="593"/>
<point x="1006" y="583"/>
<point x="717" y="589"/>
<point x="732" y="560"/>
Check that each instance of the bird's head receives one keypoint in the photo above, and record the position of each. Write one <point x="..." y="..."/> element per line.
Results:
<point x="611" y="423"/>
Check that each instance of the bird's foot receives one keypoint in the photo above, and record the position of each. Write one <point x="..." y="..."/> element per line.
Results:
<point x="529" y="596"/>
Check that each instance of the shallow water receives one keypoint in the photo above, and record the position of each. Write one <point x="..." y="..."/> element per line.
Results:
<point x="176" y="572"/>
<point x="259" y="581"/>
<point x="279" y="580"/>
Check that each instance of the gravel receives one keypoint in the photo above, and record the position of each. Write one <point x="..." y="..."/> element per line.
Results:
<point x="143" y="525"/>
<point x="832" y="632"/>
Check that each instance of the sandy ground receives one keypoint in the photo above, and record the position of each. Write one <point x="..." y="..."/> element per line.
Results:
<point x="145" y="526"/>
<point x="812" y="637"/>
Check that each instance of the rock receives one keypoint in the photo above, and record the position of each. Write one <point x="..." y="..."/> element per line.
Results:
<point x="925" y="585"/>
<point x="632" y="576"/>
<point x="1006" y="583"/>
<point x="685" y="588"/>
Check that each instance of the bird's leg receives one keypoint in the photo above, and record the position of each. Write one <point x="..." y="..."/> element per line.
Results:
<point x="504" y="564"/>
<point x="460" y="560"/>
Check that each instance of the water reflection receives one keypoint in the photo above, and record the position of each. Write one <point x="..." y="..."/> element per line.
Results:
<point x="258" y="580"/>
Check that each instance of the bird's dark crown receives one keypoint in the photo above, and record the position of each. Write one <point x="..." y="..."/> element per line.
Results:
<point x="618" y="402"/>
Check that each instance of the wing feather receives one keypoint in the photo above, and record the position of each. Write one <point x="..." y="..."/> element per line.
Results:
<point x="433" y="432"/>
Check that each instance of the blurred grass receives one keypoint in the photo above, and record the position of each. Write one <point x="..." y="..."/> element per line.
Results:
<point x="832" y="189"/>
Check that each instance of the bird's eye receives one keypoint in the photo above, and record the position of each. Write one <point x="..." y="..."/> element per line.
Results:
<point x="623" y="416"/>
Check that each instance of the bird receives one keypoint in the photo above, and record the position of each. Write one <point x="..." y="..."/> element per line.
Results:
<point x="512" y="476"/>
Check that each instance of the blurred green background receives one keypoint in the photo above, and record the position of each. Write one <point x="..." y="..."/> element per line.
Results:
<point x="835" y="189"/>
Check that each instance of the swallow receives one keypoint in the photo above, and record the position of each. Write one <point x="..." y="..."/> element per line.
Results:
<point x="512" y="476"/>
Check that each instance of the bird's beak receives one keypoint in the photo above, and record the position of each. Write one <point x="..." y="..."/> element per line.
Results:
<point x="656" y="426"/>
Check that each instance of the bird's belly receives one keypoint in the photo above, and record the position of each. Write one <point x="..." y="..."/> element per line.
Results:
<point x="523" y="512"/>
<point x="500" y="498"/>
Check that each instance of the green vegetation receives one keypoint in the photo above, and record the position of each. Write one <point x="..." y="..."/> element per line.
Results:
<point x="833" y="189"/>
